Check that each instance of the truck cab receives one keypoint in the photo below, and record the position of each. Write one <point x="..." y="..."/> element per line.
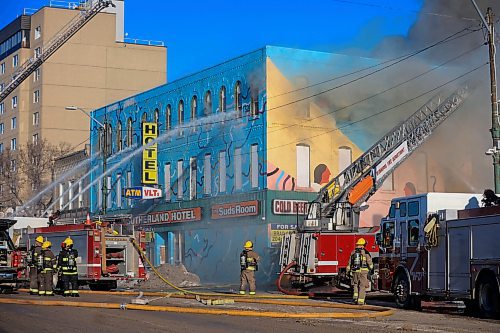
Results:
<point x="8" y="257"/>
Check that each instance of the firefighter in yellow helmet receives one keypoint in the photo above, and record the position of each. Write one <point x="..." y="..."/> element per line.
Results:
<point x="49" y="264"/>
<point x="35" y="264"/>
<point x="67" y="264"/>
<point x="249" y="264"/>
<point x="360" y="263"/>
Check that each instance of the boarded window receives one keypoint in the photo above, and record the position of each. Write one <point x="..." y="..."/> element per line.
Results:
<point x="222" y="172"/>
<point x="192" y="178"/>
<point x="237" y="168"/>
<point x="207" y="174"/>
<point x="180" y="180"/>
<point x="254" y="165"/>
<point x="303" y="166"/>
<point x="167" y="181"/>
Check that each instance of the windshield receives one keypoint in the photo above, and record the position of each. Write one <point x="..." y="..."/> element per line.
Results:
<point x="388" y="234"/>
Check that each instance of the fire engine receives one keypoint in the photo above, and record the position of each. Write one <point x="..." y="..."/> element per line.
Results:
<point x="9" y="258"/>
<point x="439" y="246"/>
<point x="319" y="250"/>
<point x="106" y="254"/>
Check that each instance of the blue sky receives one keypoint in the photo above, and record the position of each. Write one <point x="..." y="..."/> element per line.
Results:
<point x="200" y="34"/>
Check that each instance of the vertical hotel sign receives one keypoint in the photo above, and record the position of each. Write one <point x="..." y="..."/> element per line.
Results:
<point x="149" y="154"/>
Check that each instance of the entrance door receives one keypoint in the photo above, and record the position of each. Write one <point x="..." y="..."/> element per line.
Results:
<point x="175" y="247"/>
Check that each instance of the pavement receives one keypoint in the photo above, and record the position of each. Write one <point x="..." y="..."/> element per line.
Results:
<point x="27" y="318"/>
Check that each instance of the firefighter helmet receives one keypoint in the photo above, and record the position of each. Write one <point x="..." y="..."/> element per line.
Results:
<point x="68" y="241"/>
<point x="39" y="239"/>
<point x="361" y="242"/>
<point x="46" y="245"/>
<point x="248" y="245"/>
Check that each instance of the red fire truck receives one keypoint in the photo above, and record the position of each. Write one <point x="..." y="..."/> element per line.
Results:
<point x="9" y="258"/>
<point x="438" y="246"/>
<point x="106" y="254"/>
<point x="319" y="250"/>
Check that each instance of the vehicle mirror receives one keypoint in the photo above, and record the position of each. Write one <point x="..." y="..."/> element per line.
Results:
<point x="378" y="239"/>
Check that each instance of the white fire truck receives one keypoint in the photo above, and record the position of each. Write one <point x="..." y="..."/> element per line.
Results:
<point x="440" y="246"/>
<point x="106" y="254"/>
<point x="320" y="249"/>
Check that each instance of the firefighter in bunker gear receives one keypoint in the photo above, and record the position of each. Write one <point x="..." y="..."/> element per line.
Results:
<point x="35" y="264"/>
<point x="46" y="275"/>
<point x="360" y="263"/>
<point x="249" y="264"/>
<point x="67" y="264"/>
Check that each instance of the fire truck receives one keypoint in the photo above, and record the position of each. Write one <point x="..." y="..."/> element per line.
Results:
<point x="441" y="246"/>
<point x="106" y="254"/>
<point x="9" y="258"/>
<point x="319" y="250"/>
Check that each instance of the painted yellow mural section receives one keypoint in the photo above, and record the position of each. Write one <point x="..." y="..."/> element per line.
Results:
<point x="305" y="123"/>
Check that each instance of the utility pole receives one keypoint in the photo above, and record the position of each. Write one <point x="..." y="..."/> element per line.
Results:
<point x="495" y="126"/>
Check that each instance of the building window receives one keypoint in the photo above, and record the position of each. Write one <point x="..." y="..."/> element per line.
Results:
<point x="38" y="52"/>
<point x="254" y="103"/>
<point x="167" y="182"/>
<point x="119" y="142"/>
<point x="129" y="132"/>
<point x="14" y="102"/>
<point x="238" y="99"/>
<point x="180" y="179"/>
<point x="99" y="193"/>
<point x="129" y="184"/>
<point x="119" y="190"/>
<point x="207" y="103"/>
<point x="13" y="144"/>
<point x="109" y="140"/>
<point x="13" y="165"/>
<point x="2" y="85"/>
<point x="13" y="123"/>
<point x="345" y="159"/>
<point x="192" y="178"/>
<point x="38" y="32"/>
<point x="2" y="108"/>
<point x="180" y="115"/>
<point x="237" y="168"/>
<point x="194" y="108"/>
<point x="15" y="60"/>
<point x="254" y="165"/>
<point x="222" y="99"/>
<point x="36" y="75"/>
<point x="35" y="138"/>
<point x="2" y="68"/>
<point x="108" y="191"/>
<point x="1" y="128"/>
<point x="70" y="195"/>
<point x="157" y="116"/>
<point x="303" y="166"/>
<point x="222" y="171"/>
<point x="1" y="148"/>
<point x="169" y="117"/>
<point x="207" y="174"/>
<point x="36" y="96"/>
<point x="80" y="194"/>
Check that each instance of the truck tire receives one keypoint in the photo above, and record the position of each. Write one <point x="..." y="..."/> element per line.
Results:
<point x="488" y="298"/>
<point x="402" y="291"/>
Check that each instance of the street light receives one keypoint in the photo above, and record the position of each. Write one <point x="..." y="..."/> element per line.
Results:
<point x="104" y="152"/>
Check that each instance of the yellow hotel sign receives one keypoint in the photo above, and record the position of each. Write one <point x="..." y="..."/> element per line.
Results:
<point x="149" y="154"/>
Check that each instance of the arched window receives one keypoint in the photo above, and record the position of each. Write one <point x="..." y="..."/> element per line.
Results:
<point x="180" y="112"/>
<point x="222" y="99"/>
<point x="144" y="118"/>
<point x="129" y="132"/>
<point x="194" y="107"/>
<point x="238" y="99"/>
<point x="207" y="103"/>
<point x="168" y="119"/>
<point x="157" y="115"/>
<point x="119" y="142"/>
<point x="109" y="140"/>
<point x="254" y="103"/>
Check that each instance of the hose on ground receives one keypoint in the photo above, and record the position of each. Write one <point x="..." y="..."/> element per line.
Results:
<point x="368" y="311"/>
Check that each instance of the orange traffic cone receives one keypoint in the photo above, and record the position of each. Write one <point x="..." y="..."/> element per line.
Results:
<point x="87" y="222"/>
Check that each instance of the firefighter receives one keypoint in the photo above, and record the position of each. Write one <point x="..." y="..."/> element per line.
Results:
<point x="67" y="264"/>
<point x="35" y="263"/>
<point x="249" y="264"/>
<point x="59" y="288"/>
<point x="360" y="263"/>
<point x="46" y="275"/>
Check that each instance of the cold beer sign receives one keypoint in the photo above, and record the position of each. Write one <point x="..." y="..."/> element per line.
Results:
<point x="149" y="154"/>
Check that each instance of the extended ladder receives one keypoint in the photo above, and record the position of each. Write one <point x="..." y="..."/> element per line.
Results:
<point x="53" y="45"/>
<point x="361" y="179"/>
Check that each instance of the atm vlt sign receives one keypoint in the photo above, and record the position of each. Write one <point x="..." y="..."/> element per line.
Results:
<point x="149" y="154"/>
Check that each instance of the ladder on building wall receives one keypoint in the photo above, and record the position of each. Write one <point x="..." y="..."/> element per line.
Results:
<point x="53" y="45"/>
<point x="361" y="179"/>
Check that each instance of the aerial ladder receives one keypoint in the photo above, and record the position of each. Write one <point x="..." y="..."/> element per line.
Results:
<point x="30" y="66"/>
<point x="319" y="250"/>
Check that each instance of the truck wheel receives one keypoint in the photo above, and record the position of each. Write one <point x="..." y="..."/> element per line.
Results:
<point x="402" y="292"/>
<point x="488" y="297"/>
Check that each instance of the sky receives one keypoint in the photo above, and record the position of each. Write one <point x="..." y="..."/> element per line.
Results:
<point x="200" y="34"/>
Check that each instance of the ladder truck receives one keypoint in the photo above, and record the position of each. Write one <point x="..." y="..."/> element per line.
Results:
<point x="53" y="45"/>
<point x="318" y="252"/>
